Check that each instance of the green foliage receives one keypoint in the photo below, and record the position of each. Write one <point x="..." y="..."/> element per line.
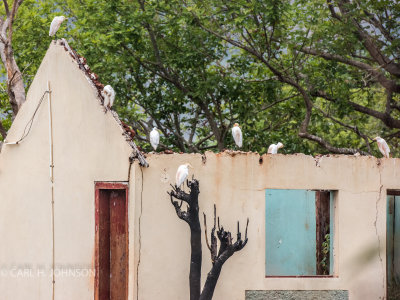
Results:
<point x="326" y="246"/>
<point x="170" y="72"/>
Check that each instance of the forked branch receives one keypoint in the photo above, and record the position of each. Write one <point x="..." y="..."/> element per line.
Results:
<point x="218" y="257"/>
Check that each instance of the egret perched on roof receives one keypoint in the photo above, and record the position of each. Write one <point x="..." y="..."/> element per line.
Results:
<point x="182" y="173"/>
<point x="273" y="149"/>
<point x="383" y="146"/>
<point x="154" y="138"/>
<point x="109" y="95"/>
<point x="55" y="25"/>
<point x="237" y="135"/>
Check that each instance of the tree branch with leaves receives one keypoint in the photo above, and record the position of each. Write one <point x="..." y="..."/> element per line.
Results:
<point x="15" y="83"/>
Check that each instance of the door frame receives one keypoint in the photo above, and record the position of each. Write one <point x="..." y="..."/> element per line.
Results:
<point x="104" y="185"/>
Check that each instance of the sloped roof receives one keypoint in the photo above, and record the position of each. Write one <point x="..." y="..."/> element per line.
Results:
<point x="92" y="78"/>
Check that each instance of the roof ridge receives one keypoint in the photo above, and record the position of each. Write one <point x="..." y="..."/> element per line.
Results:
<point x="92" y="78"/>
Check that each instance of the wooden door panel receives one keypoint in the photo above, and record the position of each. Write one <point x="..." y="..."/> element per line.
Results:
<point x="118" y="245"/>
<point x="111" y="241"/>
<point x="104" y="245"/>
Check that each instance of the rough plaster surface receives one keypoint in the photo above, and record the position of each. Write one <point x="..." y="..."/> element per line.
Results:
<point x="88" y="147"/>
<point x="297" y="295"/>
<point x="236" y="183"/>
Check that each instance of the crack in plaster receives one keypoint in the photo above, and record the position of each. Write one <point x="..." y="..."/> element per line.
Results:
<point x="204" y="159"/>
<point x="317" y="160"/>
<point x="376" y="220"/>
<point x="140" y="239"/>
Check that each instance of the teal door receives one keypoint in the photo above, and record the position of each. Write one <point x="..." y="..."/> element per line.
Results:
<point x="290" y="229"/>
<point x="393" y="246"/>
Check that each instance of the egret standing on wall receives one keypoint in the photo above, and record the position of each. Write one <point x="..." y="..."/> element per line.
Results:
<point x="154" y="138"/>
<point x="383" y="146"/>
<point x="55" y="25"/>
<point x="108" y="94"/>
<point x="182" y="173"/>
<point x="273" y="149"/>
<point x="237" y="135"/>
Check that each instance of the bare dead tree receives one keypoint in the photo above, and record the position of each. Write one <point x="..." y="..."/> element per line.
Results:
<point x="191" y="216"/>
<point x="219" y="257"/>
<point x="15" y="84"/>
<point x="226" y="249"/>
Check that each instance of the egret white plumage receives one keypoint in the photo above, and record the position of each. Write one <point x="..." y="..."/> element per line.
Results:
<point x="237" y="135"/>
<point x="383" y="146"/>
<point x="273" y="149"/>
<point x="182" y="173"/>
<point x="55" y="25"/>
<point x="108" y="94"/>
<point x="154" y="138"/>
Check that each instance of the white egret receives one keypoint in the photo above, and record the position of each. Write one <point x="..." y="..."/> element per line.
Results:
<point x="237" y="135"/>
<point x="109" y="95"/>
<point x="273" y="149"/>
<point x="55" y="25"/>
<point x="154" y="138"/>
<point x="182" y="173"/>
<point x="383" y="146"/>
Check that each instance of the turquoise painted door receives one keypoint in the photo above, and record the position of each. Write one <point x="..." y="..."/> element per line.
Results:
<point x="290" y="229"/>
<point x="393" y="241"/>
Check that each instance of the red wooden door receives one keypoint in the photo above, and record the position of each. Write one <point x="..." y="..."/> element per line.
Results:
<point x="118" y="259"/>
<point x="111" y="242"/>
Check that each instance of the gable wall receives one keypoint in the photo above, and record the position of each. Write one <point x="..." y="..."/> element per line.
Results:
<point x="88" y="147"/>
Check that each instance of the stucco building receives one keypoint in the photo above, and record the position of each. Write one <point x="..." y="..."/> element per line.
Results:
<point x="75" y="203"/>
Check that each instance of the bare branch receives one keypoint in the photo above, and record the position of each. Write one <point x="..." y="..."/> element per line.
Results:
<point x="377" y="76"/>
<point x="355" y="129"/>
<point x="3" y="131"/>
<point x="6" y="8"/>
<point x="332" y="10"/>
<point x="385" y="118"/>
<point x="205" y="231"/>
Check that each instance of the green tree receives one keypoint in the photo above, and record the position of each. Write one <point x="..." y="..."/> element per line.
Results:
<point x="318" y="76"/>
<point x="170" y="73"/>
<point x="340" y="57"/>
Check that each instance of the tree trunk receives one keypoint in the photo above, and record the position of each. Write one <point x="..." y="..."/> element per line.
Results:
<point x="195" y="262"/>
<point x="191" y="216"/>
<point x="15" y="83"/>
<point x="211" y="282"/>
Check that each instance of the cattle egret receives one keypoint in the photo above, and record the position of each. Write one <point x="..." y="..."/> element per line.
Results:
<point x="154" y="138"/>
<point x="237" y="135"/>
<point x="182" y="173"/>
<point x="273" y="149"/>
<point x="55" y="25"/>
<point x="109" y="94"/>
<point x="383" y="146"/>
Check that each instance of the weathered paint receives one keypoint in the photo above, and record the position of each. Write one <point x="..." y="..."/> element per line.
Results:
<point x="111" y="240"/>
<point x="331" y="232"/>
<point x="118" y="246"/>
<point x="290" y="230"/>
<point x="298" y="295"/>
<point x="396" y="240"/>
<point x="393" y="239"/>
<point x="89" y="147"/>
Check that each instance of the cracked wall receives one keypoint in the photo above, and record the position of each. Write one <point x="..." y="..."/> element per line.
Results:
<point x="236" y="183"/>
